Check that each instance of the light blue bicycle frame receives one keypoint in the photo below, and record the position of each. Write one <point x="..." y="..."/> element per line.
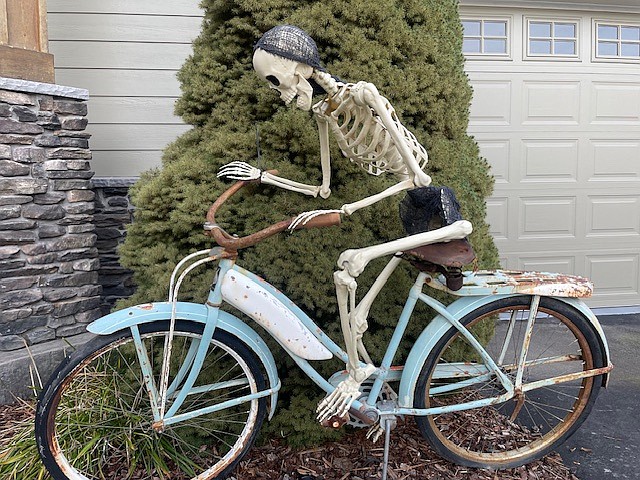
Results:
<point x="212" y="317"/>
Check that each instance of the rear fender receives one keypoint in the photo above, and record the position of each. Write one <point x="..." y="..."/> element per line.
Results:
<point x="152" y="312"/>
<point x="458" y="309"/>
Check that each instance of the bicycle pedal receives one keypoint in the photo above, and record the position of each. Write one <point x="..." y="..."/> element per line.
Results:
<point x="335" y="421"/>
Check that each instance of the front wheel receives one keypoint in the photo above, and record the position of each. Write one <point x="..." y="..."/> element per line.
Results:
<point x="534" y="422"/>
<point x="94" y="418"/>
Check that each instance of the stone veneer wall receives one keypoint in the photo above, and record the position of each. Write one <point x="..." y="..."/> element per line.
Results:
<point x="49" y="287"/>
<point x="112" y="215"/>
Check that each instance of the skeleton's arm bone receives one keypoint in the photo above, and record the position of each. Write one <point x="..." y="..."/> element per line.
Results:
<point x="325" y="157"/>
<point x="369" y="95"/>
<point x="349" y="208"/>
<point x="355" y="261"/>
<point x="287" y="184"/>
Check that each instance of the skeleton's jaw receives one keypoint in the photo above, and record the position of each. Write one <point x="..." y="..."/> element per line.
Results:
<point x="288" y="96"/>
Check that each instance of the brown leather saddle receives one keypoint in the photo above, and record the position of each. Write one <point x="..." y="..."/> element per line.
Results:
<point x="447" y="258"/>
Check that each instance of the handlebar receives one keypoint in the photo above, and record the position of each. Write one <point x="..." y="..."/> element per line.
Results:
<point x="231" y="242"/>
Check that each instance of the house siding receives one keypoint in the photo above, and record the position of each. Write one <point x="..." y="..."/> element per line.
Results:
<point x="127" y="55"/>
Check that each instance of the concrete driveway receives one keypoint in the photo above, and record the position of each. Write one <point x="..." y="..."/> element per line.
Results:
<point x="607" y="445"/>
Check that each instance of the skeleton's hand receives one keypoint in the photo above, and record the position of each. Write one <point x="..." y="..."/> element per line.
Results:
<point x="303" y="218"/>
<point x="239" y="171"/>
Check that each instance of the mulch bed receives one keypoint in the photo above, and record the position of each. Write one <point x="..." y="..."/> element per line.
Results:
<point x="352" y="458"/>
<point x="357" y="458"/>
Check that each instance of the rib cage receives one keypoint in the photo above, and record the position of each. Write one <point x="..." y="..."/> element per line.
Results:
<point x="363" y="138"/>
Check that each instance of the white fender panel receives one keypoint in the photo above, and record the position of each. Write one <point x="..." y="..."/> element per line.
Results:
<point x="255" y="301"/>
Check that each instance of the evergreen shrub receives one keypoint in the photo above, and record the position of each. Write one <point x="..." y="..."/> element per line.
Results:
<point x="411" y="50"/>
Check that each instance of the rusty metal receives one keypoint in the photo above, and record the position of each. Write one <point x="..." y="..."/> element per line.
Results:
<point x="496" y="282"/>
<point x="233" y="243"/>
<point x="519" y="398"/>
<point x="567" y="378"/>
<point x="533" y="311"/>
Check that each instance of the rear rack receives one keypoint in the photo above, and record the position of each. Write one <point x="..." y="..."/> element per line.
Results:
<point x="497" y="282"/>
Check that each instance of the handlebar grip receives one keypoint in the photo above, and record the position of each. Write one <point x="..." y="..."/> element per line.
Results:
<point x="326" y="220"/>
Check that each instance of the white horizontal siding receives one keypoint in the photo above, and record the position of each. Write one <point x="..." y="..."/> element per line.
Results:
<point x="123" y="28"/>
<point x="126" y="53"/>
<point x="139" y="7"/>
<point x="122" y="83"/>
<point x="119" y="55"/>
<point x="131" y="137"/>
<point x="136" y="110"/>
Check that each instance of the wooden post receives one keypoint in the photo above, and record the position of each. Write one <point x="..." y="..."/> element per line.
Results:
<point x="24" y="42"/>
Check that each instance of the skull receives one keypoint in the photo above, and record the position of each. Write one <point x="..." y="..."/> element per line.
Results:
<point x="287" y="76"/>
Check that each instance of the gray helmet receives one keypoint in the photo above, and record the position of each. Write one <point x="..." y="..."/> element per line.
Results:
<point x="291" y="42"/>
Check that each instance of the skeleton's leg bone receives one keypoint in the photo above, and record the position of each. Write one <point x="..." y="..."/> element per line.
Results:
<point x="363" y="352"/>
<point x="354" y="261"/>
<point x="354" y="323"/>
<point x="338" y="402"/>
<point x="290" y="185"/>
<point x="365" y="202"/>
<point x="362" y="310"/>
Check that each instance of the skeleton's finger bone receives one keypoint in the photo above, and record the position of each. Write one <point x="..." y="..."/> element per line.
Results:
<point x="305" y="217"/>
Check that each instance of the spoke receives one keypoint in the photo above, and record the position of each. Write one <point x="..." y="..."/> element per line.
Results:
<point x="540" y="406"/>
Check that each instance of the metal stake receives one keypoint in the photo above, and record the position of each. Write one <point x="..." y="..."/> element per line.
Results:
<point x="385" y="457"/>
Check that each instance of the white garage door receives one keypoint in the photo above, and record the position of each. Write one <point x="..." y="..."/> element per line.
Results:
<point x="556" y="111"/>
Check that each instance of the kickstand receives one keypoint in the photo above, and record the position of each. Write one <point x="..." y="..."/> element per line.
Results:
<point x="385" y="458"/>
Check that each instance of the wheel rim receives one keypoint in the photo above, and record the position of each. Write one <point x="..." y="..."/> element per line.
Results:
<point x="529" y="424"/>
<point x="99" y="434"/>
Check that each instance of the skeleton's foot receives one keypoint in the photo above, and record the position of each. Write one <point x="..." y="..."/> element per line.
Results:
<point x="338" y="402"/>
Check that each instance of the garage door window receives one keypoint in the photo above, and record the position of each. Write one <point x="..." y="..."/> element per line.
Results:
<point x="617" y="41"/>
<point x="485" y="37"/>
<point x="552" y="38"/>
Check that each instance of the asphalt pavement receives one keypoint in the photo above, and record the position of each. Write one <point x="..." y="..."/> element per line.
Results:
<point x="607" y="445"/>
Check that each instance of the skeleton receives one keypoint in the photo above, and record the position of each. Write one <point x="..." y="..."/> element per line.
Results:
<point x="369" y="133"/>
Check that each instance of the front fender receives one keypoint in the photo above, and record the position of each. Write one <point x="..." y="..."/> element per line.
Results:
<point x="458" y="309"/>
<point x="152" y="312"/>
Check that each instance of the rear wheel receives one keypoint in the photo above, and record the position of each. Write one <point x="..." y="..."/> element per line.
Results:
<point x="94" y="418"/>
<point x="534" y="422"/>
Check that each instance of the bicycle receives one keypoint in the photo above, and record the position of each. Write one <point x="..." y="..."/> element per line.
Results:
<point x="180" y="390"/>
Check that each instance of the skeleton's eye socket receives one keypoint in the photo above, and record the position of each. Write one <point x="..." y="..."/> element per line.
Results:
<point x="272" y="79"/>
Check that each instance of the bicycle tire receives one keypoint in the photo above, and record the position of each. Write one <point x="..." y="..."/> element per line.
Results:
<point x="523" y="429"/>
<point x="94" y="419"/>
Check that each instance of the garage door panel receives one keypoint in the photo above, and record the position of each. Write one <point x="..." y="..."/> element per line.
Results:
<point x="613" y="215"/>
<point x="551" y="103"/>
<point x="498" y="154"/>
<point x="549" y="160"/>
<point x="547" y="217"/>
<point x="548" y="263"/>
<point x="614" y="274"/>
<point x="615" y="160"/>
<point x="491" y="103"/>
<point x="498" y="217"/>
<point x="615" y="103"/>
